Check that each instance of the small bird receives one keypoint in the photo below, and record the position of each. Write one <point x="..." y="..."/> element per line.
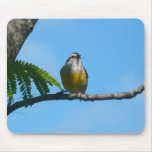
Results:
<point x="73" y="75"/>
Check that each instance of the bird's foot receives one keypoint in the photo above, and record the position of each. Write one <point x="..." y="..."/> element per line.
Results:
<point x="80" y="94"/>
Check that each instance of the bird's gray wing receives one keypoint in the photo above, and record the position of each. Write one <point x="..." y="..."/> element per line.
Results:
<point x="86" y="73"/>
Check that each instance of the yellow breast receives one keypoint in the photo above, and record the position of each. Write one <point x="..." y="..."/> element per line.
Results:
<point x="74" y="82"/>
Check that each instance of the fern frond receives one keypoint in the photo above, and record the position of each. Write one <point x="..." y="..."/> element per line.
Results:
<point x="23" y="73"/>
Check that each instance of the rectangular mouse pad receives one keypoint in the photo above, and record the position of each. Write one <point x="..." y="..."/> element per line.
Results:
<point x="75" y="76"/>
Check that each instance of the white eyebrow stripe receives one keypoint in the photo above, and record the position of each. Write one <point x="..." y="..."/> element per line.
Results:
<point x="73" y="55"/>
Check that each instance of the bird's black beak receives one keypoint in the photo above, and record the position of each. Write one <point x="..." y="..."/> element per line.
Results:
<point x="78" y="57"/>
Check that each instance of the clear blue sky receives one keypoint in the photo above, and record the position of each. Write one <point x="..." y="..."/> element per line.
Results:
<point x="112" y="52"/>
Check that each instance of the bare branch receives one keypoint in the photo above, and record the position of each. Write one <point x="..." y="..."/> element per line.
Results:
<point x="17" y="32"/>
<point x="85" y="97"/>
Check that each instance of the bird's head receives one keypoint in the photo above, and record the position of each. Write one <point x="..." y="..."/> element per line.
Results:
<point x="74" y="58"/>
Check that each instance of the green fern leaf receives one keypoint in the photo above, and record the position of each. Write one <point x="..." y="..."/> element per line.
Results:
<point x="23" y="74"/>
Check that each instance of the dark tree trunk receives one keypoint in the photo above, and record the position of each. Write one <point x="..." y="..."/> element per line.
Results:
<point x="17" y="32"/>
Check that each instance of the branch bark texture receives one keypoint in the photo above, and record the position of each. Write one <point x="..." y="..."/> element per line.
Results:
<point x="17" y="32"/>
<point x="85" y="97"/>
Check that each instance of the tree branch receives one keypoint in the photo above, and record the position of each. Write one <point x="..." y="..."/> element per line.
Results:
<point x="85" y="97"/>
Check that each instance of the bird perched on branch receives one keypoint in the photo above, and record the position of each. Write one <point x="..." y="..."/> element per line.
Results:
<point x="73" y="75"/>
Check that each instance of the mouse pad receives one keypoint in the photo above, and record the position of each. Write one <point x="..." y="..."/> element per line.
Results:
<point x="75" y="76"/>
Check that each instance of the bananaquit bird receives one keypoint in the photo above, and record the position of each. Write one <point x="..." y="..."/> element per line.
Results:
<point x="73" y="74"/>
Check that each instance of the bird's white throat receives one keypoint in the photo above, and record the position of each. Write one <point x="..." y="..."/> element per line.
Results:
<point x="75" y="67"/>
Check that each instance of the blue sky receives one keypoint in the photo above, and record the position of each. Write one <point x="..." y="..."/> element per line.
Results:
<point x="112" y="52"/>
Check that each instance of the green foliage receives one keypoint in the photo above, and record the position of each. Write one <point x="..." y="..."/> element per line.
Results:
<point x="22" y="74"/>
